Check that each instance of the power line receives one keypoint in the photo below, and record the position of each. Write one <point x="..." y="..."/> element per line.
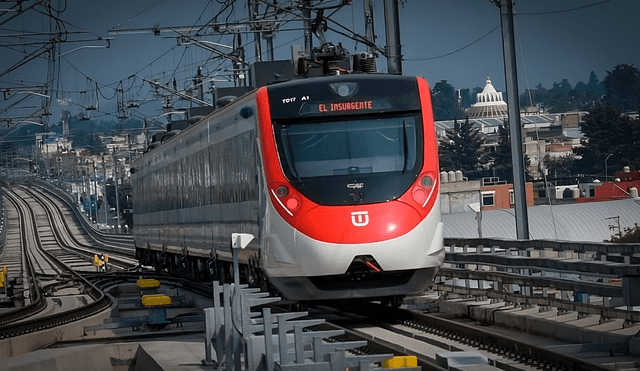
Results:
<point x="564" y="10"/>
<point x="455" y="51"/>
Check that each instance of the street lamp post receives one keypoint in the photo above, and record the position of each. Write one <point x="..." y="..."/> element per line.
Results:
<point x="104" y="192"/>
<point x="606" y="168"/>
<point x="95" y="190"/>
<point x="115" y="182"/>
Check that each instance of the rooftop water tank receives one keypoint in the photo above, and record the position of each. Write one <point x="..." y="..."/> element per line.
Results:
<point x="444" y="177"/>
<point x="459" y="177"/>
<point x="452" y="176"/>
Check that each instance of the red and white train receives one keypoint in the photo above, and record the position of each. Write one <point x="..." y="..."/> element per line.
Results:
<point x="336" y="177"/>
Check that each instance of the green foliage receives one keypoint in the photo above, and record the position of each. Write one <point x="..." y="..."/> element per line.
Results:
<point x="445" y="102"/>
<point x="501" y="157"/>
<point x="608" y="132"/>
<point x="563" y="98"/>
<point x="558" y="167"/>
<point x="622" y="86"/>
<point x="594" y="86"/>
<point x="630" y="235"/>
<point x="460" y="149"/>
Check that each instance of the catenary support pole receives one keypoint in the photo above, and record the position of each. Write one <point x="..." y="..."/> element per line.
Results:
<point x="515" y="129"/>
<point x="392" y="31"/>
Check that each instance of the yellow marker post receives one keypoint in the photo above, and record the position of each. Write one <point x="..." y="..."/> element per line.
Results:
<point x="3" y="279"/>
<point x="155" y="300"/>
<point x="97" y="262"/>
<point x="400" y="362"/>
<point x="147" y="283"/>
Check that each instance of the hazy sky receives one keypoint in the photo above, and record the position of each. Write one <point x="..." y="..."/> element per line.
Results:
<point x="454" y="40"/>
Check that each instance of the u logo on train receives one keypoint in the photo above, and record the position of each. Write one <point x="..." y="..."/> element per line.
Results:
<point x="336" y="177"/>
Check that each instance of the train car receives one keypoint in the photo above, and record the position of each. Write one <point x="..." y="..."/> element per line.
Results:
<point x="336" y="177"/>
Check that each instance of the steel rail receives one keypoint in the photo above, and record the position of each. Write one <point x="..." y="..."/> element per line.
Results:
<point x="3" y="223"/>
<point x="37" y="300"/>
<point x="473" y="336"/>
<point x="605" y="248"/>
<point x="100" y="302"/>
<point x="561" y="265"/>
<point x="118" y="240"/>
<point x="53" y="210"/>
<point x="563" y="284"/>
<point x="545" y="302"/>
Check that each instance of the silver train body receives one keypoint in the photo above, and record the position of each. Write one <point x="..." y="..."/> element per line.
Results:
<point x="327" y="225"/>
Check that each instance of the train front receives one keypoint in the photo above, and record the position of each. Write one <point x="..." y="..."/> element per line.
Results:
<point x="351" y="170"/>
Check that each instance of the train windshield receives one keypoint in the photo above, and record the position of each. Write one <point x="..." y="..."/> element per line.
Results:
<point x="371" y="146"/>
<point x="382" y="155"/>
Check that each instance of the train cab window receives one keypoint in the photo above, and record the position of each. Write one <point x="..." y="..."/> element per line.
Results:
<point x="361" y="146"/>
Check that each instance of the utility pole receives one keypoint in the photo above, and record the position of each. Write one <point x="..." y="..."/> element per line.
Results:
<point x="392" y="29"/>
<point x="115" y="182"/>
<point x="197" y="82"/>
<point x="257" y="36"/>
<point x="306" y="15"/>
<point x="104" y="192"/>
<point x="239" y="70"/>
<point x="369" y="26"/>
<point x="515" y="128"/>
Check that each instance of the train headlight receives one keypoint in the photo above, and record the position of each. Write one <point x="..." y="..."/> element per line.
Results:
<point x="426" y="181"/>
<point x="282" y="191"/>
<point x="288" y="199"/>
<point x="423" y="190"/>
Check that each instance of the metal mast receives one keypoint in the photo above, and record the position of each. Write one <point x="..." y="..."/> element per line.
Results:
<point x="392" y="29"/>
<point x="515" y="129"/>
<point x="253" y="15"/>
<point x="369" y="27"/>
<point x="306" y="15"/>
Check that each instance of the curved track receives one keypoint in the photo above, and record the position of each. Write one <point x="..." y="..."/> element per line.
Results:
<point x="47" y="257"/>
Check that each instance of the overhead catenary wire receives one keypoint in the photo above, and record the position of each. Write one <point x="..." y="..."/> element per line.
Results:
<point x="454" y="51"/>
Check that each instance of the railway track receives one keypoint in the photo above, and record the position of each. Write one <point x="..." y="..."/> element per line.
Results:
<point x="48" y="260"/>
<point x="431" y="336"/>
<point x="82" y="231"/>
<point x="387" y="330"/>
<point x="428" y="336"/>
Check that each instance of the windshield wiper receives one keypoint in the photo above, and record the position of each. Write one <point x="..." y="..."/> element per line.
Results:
<point x="405" y="146"/>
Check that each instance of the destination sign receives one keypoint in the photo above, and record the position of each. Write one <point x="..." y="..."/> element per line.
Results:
<point x="346" y="106"/>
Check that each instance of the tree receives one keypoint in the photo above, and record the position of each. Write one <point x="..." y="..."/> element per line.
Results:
<point x="538" y="96"/>
<point x="501" y="157"/>
<point x="502" y="164"/>
<point x="466" y="99"/>
<point x="445" y="102"/>
<point x="558" y="167"/>
<point x="563" y="88"/>
<point x="607" y="132"/>
<point x="631" y="235"/>
<point x="622" y="87"/>
<point x="594" y="86"/>
<point x="460" y="149"/>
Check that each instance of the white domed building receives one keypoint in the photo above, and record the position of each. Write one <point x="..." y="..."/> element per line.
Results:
<point x="489" y="104"/>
